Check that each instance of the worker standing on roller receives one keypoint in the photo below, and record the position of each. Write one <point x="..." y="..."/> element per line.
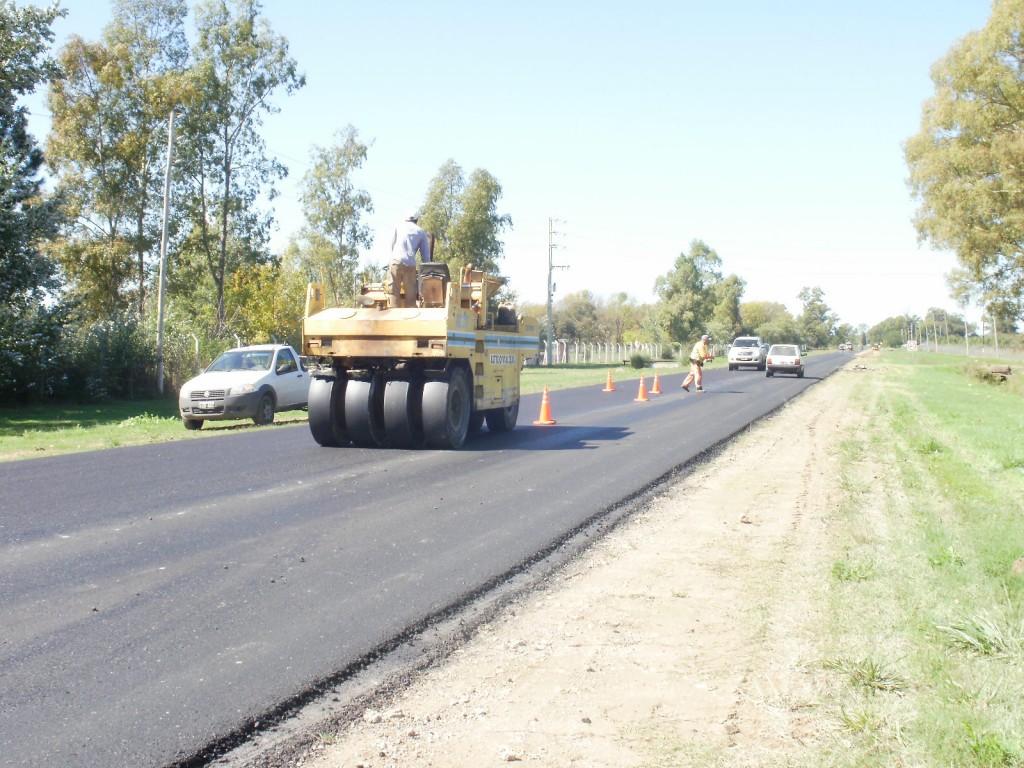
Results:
<point x="408" y="239"/>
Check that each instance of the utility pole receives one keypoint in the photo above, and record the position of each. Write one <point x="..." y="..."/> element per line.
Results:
<point x="551" y="288"/>
<point x="163" y="260"/>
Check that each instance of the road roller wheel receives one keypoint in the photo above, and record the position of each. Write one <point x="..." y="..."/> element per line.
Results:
<point x="446" y="410"/>
<point x="326" y="411"/>
<point x="364" y="412"/>
<point x="403" y="413"/>
<point x="503" y="419"/>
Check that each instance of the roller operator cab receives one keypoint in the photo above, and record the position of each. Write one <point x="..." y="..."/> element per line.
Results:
<point x="416" y="377"/>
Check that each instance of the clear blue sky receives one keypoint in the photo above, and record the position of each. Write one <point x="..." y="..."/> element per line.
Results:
<point x="771" y="131"/>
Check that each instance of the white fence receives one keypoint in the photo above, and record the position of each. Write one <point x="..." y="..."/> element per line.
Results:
<point x="977" y="349"/>
<point x="578" y="353"/>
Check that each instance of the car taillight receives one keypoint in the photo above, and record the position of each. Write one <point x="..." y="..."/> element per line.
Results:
<point x="768" y="360"/>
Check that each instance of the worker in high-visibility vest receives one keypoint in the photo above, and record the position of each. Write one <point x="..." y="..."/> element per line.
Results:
<point x="700" y="354"/>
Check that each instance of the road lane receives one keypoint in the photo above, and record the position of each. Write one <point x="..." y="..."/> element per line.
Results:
<point x="154" y="599"/>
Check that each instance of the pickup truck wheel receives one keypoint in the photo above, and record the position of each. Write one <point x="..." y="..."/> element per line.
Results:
<point x="326" y="412"/>
<point x="191" y="424"/>
<point x="403" y="413"/>
<point x="446" y="410"/>
<point x="503" y="419"/>
<point x="264" y="411"/>
<point x="364" y="413"/>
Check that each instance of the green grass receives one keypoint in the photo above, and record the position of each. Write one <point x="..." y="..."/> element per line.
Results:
<point x="41" y="430"/>
<point x="858" y="571"/>
<point x="870" y="675"/>
<point x="926" y="579"/>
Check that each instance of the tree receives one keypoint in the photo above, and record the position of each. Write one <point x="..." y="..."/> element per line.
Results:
<point x="725" y="322"/>
<point x="687" y="293"/>
<point x="238" y="66"/>
<point x="817" y="322"/>
<point x="334" y="210"/>
<point x="782" y="328"/>
<point x="442" y="207"/>
<point x="577" y="318"/>
<point x="965" y="168"/>
<point x="845" y="332"/>
<point x="463" y="217"/>
<point x="620" y="316"/>
<point x="107" y="144"/>
<point x="757" y="316"/>
<point x="476" y="232"/>
<point x="893" y="331"/>
<point x="949" y="326"/>
<point x="30" y="322"/>
<point x="266" y="302"/>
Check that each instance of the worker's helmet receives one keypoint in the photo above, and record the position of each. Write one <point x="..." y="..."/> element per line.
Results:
<point x="705" y="337"/>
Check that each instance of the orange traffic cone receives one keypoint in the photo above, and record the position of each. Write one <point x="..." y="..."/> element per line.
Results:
<point x="545" y="411"/>
<point x="641" y="396"/>
<point x="656" y="387"/>
<point x="610" y="386"/>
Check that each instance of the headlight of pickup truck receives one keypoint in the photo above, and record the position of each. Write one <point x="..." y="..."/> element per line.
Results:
<point x="241" y="389"/>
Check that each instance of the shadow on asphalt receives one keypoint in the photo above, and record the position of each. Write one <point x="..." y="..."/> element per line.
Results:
<point x="526" y="437"/>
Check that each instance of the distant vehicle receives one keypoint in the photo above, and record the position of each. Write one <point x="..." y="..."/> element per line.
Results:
<point x="784" y="358"/>
<point x="246" y="383"/>
<point x="749" y="351"/>
<point x="846" y="346"/>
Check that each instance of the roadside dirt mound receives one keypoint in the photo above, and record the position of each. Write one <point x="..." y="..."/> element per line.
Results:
<point x="685" y="637"/>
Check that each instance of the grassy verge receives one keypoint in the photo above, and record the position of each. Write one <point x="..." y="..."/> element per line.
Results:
<point x="926" y="664"/>
<point x="50" y="430"/>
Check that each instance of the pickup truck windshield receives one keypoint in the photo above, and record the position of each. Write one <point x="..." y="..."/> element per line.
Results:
<point x="242" y="361"/>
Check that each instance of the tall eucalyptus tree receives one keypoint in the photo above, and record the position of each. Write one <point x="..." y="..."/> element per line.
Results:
<point x="238" y="65"/>
<point x="965" y="162"/>
<point x="107" y="144"/>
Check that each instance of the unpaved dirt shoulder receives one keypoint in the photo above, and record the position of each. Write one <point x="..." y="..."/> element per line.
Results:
<point x="688" y="636"/>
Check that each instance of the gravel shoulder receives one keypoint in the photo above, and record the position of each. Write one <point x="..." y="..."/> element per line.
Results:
<point x="689" y="636"/>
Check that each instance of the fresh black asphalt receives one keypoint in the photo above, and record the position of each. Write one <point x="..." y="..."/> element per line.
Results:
<point x="155" y="599"/>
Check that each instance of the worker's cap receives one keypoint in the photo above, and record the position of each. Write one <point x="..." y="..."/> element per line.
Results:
<point x="413" y="216"/>
<point x="705" y="337"/>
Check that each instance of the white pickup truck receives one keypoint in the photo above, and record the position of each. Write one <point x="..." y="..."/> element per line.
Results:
<point x="246" y="383"/>
<point x="747" y="350"/>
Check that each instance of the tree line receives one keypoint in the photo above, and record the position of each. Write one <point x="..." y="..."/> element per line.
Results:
<point x="694" y="298"/>
<point x="79" y="263"/>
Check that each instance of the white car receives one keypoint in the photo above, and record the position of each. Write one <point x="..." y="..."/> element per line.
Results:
<point x="784" y="358"/>
<point x="246" y="383"/>
<point x="747" y="350"/>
